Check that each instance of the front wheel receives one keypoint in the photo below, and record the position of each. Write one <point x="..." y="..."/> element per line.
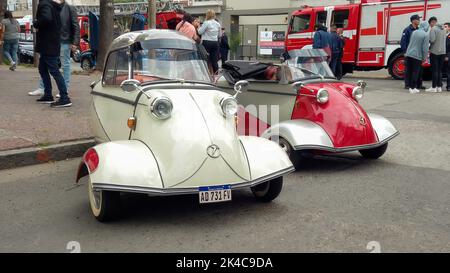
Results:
<point x="268" y="191"/>
<point x="105" y="205"/>
<point x="374" y="153"/>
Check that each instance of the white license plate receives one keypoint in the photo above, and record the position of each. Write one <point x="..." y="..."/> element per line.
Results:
<point x="214" y="194"/>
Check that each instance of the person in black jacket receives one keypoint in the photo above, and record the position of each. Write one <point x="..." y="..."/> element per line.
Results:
<point x="224" y="47"/>
<point x="48" y="45"/>
<point x="447" y="58"/>
<point x="337" y="52"/>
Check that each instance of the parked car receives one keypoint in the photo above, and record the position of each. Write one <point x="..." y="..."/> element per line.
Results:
<point x="317" y="113"/>
<point x="166" y="129"/>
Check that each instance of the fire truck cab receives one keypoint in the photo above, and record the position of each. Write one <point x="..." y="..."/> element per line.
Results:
<point x="372" y="30"/>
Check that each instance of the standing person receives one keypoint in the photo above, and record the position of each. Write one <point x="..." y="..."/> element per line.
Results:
<point x="10" y="29"/>
<point x="404" y="42"/>
<point x="224" y="47"/>
<point x="186" y="27"/>
<point x="70" y="40"/>
<point x="447" y="58"/>
<point x="48" y="44"/>
<point x="417" y="53"/>
<point x="210" y="31"/>
<point x="437" y="54"/>
<point x="322" y="40"/>
<point x="337" y="49"/>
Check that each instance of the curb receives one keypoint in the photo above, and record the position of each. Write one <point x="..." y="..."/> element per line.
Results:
<point x="38" y="155"/>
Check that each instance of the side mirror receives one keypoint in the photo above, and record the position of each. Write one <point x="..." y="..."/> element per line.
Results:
<point x="297" y="85"/>
<point x="240" y="86"/>
<point x="130" y="86"/>
<point x="362" y="84"/>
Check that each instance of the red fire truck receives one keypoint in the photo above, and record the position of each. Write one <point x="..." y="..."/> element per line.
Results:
<point x="373" y="30"/>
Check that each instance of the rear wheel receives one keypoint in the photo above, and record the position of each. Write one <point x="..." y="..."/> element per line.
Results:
<point x="105" y="205"/>
<point x="268" y="191"/>
<point x="374" y="153"/>
<point x="86" y="64"/>
<point x="397" y="67"/>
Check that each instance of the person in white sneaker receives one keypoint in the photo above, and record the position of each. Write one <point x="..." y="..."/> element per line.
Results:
<point x="70" y="38"/>
<point x="437" y="53"/>
<point x="417" y="53"/>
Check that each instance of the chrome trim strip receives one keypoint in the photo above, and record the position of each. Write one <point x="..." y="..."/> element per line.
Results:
<point x="347" y="149"/>
<point x="186" y="191"/>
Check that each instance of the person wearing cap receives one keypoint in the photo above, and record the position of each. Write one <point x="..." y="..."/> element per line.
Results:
<point x="404" y="43"/>
<point x="437" y="53"/>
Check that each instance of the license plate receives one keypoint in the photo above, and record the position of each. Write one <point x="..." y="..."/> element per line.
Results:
<point x="214" y="194"/>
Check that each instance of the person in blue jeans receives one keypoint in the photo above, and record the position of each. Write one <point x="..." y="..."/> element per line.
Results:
<point x="10" y="39"/>
<point x="48" y="44"/>
<point x="70" y="38"/>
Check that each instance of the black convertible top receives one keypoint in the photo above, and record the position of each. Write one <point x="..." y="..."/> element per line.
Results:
<point x="242" y="70"/>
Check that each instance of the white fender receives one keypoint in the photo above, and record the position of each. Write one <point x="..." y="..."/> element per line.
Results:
<point x="127" y="163"/>
<point x="301" y="134"/>
<point x="265" y="157"/>
<point x="384" y="128"/>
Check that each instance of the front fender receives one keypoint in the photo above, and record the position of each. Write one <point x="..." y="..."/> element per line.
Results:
<point x="384" y="128"/>
<point x="127" y="163"/>
<point x="301" y="134"/>
<point x="265" y="157"/>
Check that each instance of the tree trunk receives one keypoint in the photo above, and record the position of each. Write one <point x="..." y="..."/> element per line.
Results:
<point x="152" y="14"/>
<point x="106" y="30"/>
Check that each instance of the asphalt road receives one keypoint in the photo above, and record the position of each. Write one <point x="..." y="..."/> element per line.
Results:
<point x="335" y="204"/>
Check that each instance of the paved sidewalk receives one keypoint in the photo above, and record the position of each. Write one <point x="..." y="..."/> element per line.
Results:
<point x="24" y="123"/>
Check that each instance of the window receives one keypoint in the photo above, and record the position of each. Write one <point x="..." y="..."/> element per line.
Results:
<point x="321" y="18"/>
<point x="340" y="18"/>
<point x="300" y="23"/>
<point x="116" y="70"/>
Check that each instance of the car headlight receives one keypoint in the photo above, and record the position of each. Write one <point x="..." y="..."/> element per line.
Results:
<point x="322" y="96"/>
<point x="161" y="107"/>
<point x="358" y="93"/>
<point x="229" y="106"/>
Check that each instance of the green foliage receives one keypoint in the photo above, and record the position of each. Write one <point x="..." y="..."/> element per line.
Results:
<point x="235" y="41"/>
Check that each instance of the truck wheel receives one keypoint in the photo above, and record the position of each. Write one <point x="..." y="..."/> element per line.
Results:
<point x="86" y="64"/>
<point x="105" y="205"/>
<point x="296" y="157"/>
<point x="397" y="67"/>
<point x="374" y="153"/>
<point x="427" y="75"/>
<point x="268" y="191"/>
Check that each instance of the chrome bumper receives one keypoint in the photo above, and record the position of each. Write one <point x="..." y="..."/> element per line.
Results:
<point x="345" y="149"/>
<point x="185" y="191"/>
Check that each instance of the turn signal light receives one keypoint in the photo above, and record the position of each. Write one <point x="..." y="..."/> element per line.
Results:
<point x="92" y="160"/>
<point x="131" y="123"/>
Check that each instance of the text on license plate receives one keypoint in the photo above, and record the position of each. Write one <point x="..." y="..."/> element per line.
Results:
<point x="214" y="194"/>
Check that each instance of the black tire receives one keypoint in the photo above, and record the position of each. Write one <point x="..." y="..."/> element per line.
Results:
<point x="86" y="64"/>
<point x="296" y="157"/>
<point x="107" y="207"/>
<point x="76" y="56"/>
<point x="374" y="153"/>
<point x="395" y="66"/>
<point x="268" y="191"/>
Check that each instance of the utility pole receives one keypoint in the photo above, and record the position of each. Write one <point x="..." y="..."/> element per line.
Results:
<point x="152" y="14"/>
<point x="106" y="31"/>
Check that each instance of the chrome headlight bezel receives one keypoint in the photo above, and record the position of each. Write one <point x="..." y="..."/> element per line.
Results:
<point x="154" y="107"/>
<point x="322" y="96"/>
<point x="229" y="102"/>
<point x="358" y="93"/>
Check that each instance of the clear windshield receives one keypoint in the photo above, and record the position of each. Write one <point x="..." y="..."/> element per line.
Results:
<point x="169" y="64"/>
<point x="307" y="67"/>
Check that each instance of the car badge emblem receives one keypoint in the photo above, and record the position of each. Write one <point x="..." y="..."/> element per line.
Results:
<point x="362" y="121"/>
<point x="213" y="151"/>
